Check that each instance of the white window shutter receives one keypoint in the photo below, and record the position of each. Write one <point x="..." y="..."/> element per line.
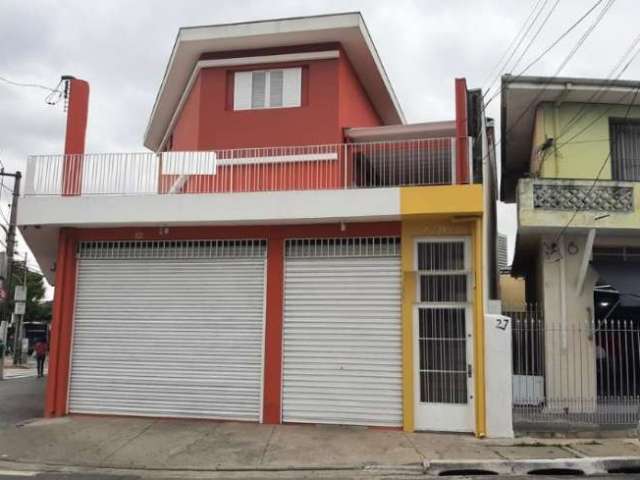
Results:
<point x="258" y="89"/>
<point x="242" y="91"/>
<point x="275" y="88"/>
<point x="292" y="87"/>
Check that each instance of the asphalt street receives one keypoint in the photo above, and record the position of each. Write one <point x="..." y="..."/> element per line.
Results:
<point x="88" y="476"/>
<point x="21" y="399"/>
<point x="61" y="476"/>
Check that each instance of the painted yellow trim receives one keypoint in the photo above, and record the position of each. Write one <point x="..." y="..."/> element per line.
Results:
<point x="408" y="299"/>
<point x="426" y="226"/>
<point x="478" y="350"/>
<point x="441" y="200"/>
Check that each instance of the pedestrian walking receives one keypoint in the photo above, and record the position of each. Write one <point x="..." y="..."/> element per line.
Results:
<point x="41" y="355"/>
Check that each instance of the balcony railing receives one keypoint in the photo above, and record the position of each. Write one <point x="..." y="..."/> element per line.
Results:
<point x="319" y="167"/>
<point x="582" y="196"/>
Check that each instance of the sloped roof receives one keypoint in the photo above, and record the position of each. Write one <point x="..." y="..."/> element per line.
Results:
<point x="348" y="29"/>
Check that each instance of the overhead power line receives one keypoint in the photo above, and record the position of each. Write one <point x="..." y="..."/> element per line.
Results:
<point x="588" y="125"/>
<point x="28" y="85"/>
<point x="569" y="30"/>
<point x="517" y="40"/>
<point x="536" y="34"/>
<point x="609" y="81"/>
<point x="564" y="62"/>
<point x="562" y="36"/>
<point x="501" y="64"/>
<point x="580" y="42"/>
<point x="597" y="179"/>
<point x="54" y="95"/>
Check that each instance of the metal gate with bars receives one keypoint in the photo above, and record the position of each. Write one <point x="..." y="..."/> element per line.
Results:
<point x="576" y="375"/>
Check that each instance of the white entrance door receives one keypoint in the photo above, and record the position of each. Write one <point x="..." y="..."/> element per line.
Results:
<point x="442" y="332"/>
<point x="169" y="329"/>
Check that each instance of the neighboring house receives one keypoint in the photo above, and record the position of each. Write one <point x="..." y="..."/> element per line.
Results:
<point x="293" y="251"/>
<point x="571" y="163"/>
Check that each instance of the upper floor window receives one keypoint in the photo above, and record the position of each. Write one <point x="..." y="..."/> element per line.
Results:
<point x="267" y="89"/>
<point x="625" y="149"/>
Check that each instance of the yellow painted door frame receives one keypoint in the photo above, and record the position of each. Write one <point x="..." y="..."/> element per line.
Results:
<point x="410" y="230"/>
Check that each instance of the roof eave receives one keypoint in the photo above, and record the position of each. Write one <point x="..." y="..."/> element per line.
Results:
<point x="154" y="140"/>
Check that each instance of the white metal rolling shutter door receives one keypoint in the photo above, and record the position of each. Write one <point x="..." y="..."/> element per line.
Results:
<point x="169" y="329"/>
<point x="342" y="332"/>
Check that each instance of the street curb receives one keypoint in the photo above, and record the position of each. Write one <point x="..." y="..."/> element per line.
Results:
<point x="588" y="466"/>
<point x="369" y="471"/>
<point x="428" y="469"/>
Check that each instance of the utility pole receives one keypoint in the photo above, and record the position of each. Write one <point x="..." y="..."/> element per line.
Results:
<point x="20" y="315"/>
<point x="8" y="274"/>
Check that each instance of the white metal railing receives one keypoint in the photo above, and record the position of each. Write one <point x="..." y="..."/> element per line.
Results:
<point x="317" y="167"/>
<point x="574" y="375"/>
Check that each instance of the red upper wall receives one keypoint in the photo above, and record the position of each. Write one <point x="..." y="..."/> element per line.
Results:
<point x="332" y="99"/>
<point x="355" y="108"/>
<point x="186" y="131"/>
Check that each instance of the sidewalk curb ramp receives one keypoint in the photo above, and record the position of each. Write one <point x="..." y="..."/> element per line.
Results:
<point x="581" y="466"/>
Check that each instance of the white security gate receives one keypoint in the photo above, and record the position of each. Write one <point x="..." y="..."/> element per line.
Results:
<point x="169" y="328"/>
<point x="342" y="332"/>
<point x="442" y="335"/>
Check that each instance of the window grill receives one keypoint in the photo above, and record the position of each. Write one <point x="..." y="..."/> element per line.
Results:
<point x="171" y="249"/>
<point x="443" y="274"/>
<point x="625" y="149"/>
<point x="344" y="247"/>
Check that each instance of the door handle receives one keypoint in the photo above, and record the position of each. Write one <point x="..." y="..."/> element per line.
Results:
<point x="469" y="370"/>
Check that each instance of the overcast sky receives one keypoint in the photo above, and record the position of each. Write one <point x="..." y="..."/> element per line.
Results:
<point x="122" y="48"/>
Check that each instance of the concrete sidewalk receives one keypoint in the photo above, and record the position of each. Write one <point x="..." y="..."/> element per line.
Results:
<point x="134" y="443"/>
<point x="12" y="372"/>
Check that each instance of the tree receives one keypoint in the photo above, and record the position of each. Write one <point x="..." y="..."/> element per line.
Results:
<point x="36" y="310"/>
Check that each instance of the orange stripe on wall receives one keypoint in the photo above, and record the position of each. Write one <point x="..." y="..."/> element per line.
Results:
<point x="54" y="344"/>
<point x="64" y="366"/>
<point x="272" y="393"/>
<point x="77" y="113"/>
<point x="64" y="299"/>
<point x="462" y="143"/>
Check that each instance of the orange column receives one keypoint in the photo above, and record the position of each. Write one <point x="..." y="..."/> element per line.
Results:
<point x="74" y="143"/>
<point x="62" y="325"/>
<point x="272" y="392"/>
<point x="462" y="142"/>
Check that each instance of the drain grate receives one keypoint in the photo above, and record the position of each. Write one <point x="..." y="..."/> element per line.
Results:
<point x="557" y="471"/>
<point x="467" y="472"/>
<point x="625" y="470"/>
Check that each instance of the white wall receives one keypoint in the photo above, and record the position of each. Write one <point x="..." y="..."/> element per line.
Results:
<point x="570" y="360"/>
<point x="188" y="209"/>
<point x="498" y="372"/>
